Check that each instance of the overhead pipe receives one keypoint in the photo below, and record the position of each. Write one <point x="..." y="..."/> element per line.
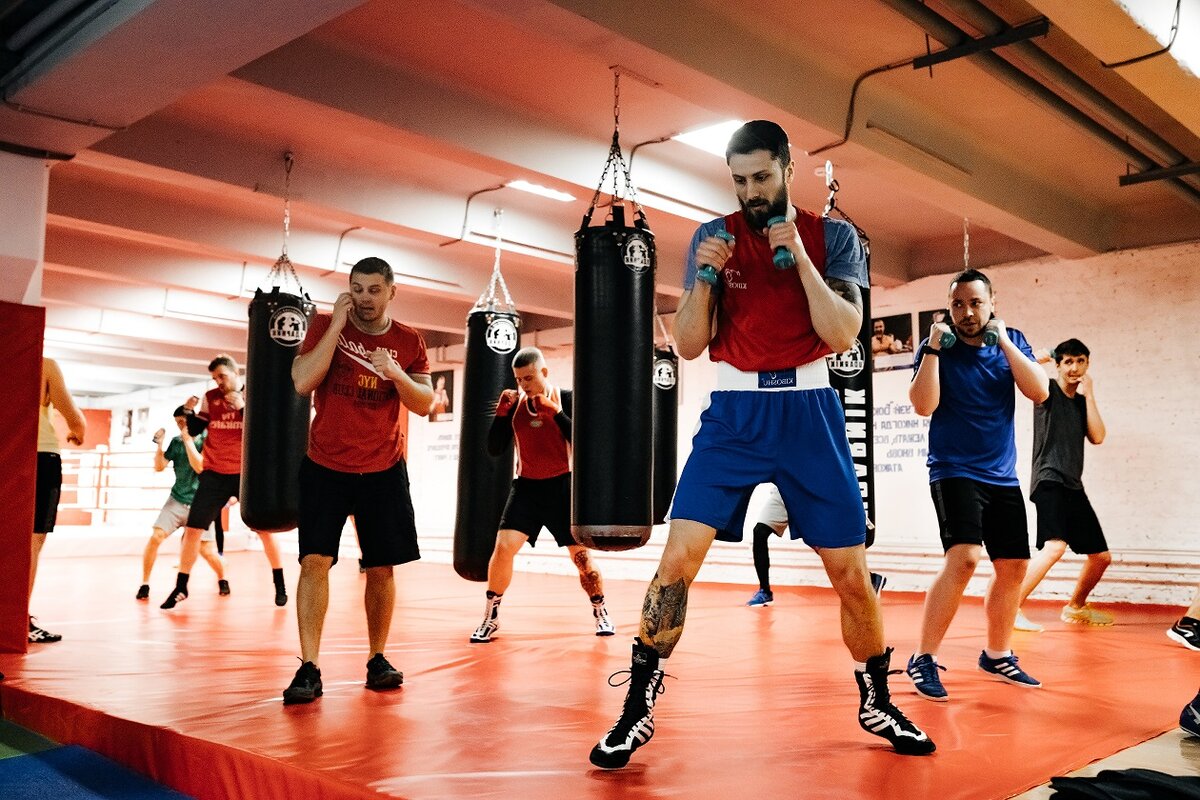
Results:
<point x="951" y="35"/>
<point x="989" y="22"/>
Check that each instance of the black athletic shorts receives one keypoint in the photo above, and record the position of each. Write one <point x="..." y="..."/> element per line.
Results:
<point x="973" y="512"/>
<point x="379" y="502"/>
<point x="534" y="503"/>
<point x="1067" y="514"/>
<point x="212" y="493"/>
<point x="49" y="489"/>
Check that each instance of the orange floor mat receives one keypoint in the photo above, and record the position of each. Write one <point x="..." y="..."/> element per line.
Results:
<point x="764" y="704"/>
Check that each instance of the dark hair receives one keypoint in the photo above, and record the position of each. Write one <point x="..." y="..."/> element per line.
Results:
<point x="374" y="266"/>
<point x="1071" y="347"/>
<point x="184" y="411"/>
<point x="526" y="356"/>
<point x="971" y="275"/>
<point x="760" y="134"/>
<point x="222" y="360"/>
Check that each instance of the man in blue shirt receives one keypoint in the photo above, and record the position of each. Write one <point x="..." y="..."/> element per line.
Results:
<point x="966" y="386"/>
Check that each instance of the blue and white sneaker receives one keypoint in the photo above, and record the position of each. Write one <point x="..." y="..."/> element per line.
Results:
<point x="762" y="598"/>
<point x="923" y="671"/>
<point x="1189" y="718"/>
<point x="1007" y="669"/>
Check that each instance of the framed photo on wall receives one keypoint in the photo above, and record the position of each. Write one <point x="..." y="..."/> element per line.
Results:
<point x="925" y="320"/>
<point x="892" y="342"/>
<point x="442" y="408"/>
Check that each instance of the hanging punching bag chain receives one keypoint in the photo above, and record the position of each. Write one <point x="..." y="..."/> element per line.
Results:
<point x="831" y="205"/>
<point x="616" y="162"/>
<point x="283" y="270"/>
<point x="487" y="300"/>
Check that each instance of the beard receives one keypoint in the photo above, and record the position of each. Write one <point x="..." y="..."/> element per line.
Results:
<point x="757" y="215"/>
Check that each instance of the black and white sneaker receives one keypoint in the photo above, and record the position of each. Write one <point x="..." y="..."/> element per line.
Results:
<point x="877" y="715"/>
<point x="305" y="687"/>
<point x="38" y="635"/>
<point x="491" y="619"/>
<point x="604" y="626"/>
<point x="177" y="596"/>
<point x="635" y="726"/>
<point x="1186" y="634"/>
<point x="381" y="675"/>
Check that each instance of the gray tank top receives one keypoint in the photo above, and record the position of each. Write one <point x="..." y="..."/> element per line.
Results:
<point x="1059" y="429"/>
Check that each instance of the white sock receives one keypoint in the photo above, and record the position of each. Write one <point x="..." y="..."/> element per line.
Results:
<point x="995" y="654"/>
<point x="860" y="666"/>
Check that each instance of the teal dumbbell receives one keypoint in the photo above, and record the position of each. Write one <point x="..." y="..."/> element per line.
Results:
<point x="990" y="338"/>
<point x="707" y="272"/>
<point x="783" y="257"/>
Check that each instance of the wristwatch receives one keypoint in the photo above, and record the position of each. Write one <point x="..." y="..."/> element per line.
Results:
<point x="926" y="350"/>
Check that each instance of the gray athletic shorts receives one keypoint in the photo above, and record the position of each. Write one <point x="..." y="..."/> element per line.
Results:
<point x="174" y="516"/>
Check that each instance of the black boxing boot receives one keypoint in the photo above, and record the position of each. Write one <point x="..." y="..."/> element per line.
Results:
<point x="877" y="715"/>
<point x="636" y="724"/>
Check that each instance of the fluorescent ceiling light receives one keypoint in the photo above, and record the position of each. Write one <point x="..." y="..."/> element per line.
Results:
<point x="533" y="188"/>
<point x="675" y="207"/>
<point x="712" y="138"/>
<point x="545" y="253"/>
<point x="1156" y="18"/>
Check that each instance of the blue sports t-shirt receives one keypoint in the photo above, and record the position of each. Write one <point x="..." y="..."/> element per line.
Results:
<point x="971" y="433"/>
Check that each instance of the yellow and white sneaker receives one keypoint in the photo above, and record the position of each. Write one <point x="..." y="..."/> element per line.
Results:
<point x="1086" y="616"/>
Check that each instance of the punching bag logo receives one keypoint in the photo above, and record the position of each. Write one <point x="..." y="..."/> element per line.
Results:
<point x="288" y="326"/>
<point x="664" y="373"/>
<point x="849" y="363"/>
<point x="637" y="254"/>
<point x="501" y="335"/>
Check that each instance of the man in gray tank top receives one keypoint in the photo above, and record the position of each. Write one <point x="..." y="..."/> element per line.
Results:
<point x="1065" y="516"/>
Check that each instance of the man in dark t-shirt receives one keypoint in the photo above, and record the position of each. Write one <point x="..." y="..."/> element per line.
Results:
<point x="1065" y="516"/>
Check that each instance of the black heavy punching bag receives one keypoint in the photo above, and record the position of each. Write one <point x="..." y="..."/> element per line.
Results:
<point x="484" y="480"/>
<point x="275" y="435"/>
<point x="612" y="436"/>
<point x="666" y="429"/>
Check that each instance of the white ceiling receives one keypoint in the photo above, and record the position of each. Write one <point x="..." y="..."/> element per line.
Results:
<point x="162" y="223"/>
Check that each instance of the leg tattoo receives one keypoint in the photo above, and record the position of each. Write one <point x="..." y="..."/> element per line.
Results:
<point x="589" y="578"/>
<point x="662" y="615"/>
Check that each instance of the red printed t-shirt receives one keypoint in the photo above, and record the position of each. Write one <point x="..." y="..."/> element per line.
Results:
<point x="763" y="318"/>
<point x="360" y="422"/>
<point x="223" y="448"/>
<point x="542" y="450"/>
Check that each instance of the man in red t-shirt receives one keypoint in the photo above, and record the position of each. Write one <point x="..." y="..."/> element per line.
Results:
<point x="365" y="372"/>
<point x="222" y="409"/>
<point x="539" y="416"/>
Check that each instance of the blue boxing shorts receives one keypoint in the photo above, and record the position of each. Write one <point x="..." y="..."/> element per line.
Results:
<point x="786" y="428"/>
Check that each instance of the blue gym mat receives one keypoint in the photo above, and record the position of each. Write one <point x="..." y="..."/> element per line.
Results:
<point x="75" y="773"/>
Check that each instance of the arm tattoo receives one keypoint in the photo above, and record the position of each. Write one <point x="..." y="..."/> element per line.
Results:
<point x="662" y="615"/>
<point x="847" y="291"/>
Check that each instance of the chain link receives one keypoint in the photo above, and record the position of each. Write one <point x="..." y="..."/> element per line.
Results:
<point x="966" y="244"/>
<point x="283" y="269"/>
<point x="616" y="157"/>
<point x="487" y="300"/>
<point x="287" y="199"/>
